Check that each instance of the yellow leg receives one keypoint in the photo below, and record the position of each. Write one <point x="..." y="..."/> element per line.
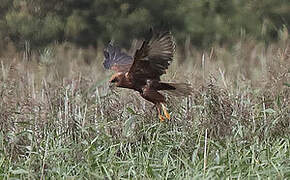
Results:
<point x="162" y="118"/>
<point x="167" y="115"/>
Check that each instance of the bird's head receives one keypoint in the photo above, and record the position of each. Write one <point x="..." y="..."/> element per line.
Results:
<point x="116" y="80"/>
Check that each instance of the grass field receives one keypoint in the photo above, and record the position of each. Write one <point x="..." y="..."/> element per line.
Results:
<point x="59" y="119"/>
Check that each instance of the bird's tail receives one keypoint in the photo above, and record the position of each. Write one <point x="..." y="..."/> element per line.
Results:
<point x="177" y="89"/>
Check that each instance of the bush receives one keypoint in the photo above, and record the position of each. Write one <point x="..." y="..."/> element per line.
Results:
<point x="89" y="22"/>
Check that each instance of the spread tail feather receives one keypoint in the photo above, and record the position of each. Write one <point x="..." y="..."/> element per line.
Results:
<point x="179" y="89"/>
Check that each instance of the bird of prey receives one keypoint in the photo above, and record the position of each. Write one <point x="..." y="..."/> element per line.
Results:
<point x="142" y="71"/>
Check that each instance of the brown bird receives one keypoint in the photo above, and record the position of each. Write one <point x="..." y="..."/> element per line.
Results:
<point x="142" y="72"/>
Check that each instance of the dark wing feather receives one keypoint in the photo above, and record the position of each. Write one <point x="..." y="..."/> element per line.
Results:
<point x="116" y="60"/>
<point x="154" y="57"/>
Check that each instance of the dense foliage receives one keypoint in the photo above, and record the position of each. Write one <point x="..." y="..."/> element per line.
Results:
<point x="89" y="22"/>
<point x="60" y="120"/>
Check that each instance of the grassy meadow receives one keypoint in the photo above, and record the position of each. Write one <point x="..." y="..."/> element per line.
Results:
<point x="60" y="120"/>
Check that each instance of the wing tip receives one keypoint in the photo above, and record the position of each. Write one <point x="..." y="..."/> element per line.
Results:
<point x="113" y="56"/>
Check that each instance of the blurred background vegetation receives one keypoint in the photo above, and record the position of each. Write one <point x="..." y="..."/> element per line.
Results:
<point x="60" y="120"/>
<point x="85" y="23"/>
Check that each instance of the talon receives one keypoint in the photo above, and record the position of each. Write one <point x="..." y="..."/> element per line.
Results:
<point x="167" y="115"/>
<point x="162" y="118"/>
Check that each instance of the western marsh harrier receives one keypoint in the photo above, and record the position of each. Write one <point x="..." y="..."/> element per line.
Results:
<point x="142" y="72"/>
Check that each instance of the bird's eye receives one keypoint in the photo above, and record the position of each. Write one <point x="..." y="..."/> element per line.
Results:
<point x="114" y="80"/>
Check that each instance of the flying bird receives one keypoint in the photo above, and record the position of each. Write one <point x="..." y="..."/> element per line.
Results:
<point x="142" y="71"/>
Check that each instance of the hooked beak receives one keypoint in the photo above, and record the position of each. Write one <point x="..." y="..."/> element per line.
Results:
<point x="112" y="85"/>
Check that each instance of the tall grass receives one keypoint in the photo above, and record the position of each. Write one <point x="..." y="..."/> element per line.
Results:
<point x="59" y="119"/>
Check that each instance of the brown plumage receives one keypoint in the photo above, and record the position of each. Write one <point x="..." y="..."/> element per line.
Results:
<point x="142" y="72"/>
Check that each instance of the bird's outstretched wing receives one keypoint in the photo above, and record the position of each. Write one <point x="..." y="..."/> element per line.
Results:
<point x="154" y="57"/>
<point x="116" y="60"/>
